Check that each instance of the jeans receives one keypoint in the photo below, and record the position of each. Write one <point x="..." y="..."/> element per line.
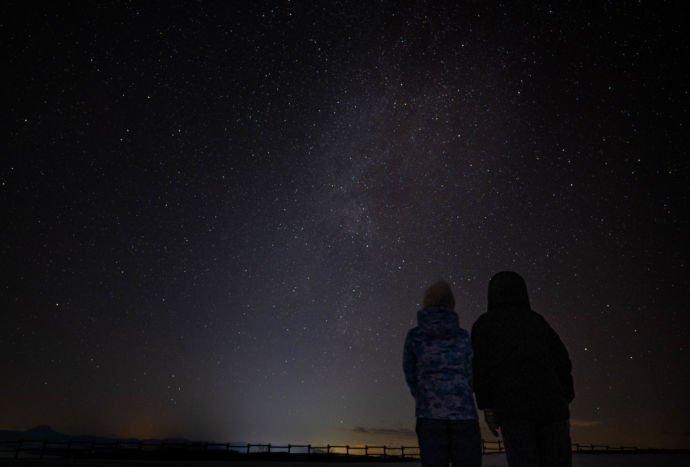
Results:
<point x="533" y="444"/>
<point x="443" y="441"/>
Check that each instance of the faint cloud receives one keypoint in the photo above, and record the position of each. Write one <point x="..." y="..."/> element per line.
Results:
<point x="578" y="423"/>
<point x="397" y="432"/>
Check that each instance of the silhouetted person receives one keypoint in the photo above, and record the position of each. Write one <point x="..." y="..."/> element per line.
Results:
<point x="522" y="377"/>
<point x="437" y="361"/>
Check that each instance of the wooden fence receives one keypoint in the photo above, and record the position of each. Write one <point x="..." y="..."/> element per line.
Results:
<point x="152" y="449"/>
<point x="602" y="448"/>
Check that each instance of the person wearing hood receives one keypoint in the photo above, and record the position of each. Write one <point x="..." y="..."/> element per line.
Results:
<point x="437" y="361"/>
<point x="522" y="377"/>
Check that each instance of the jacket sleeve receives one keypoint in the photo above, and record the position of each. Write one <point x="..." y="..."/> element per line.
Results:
<point x="467" y="369"/>
<point x="563" y="364"/>
<point x="410" y="365"/>
<point x="480" y="375"/>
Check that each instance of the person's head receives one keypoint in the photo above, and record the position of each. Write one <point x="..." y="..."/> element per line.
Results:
<point x="439" y="294"/>
<point x="508" y="289"/>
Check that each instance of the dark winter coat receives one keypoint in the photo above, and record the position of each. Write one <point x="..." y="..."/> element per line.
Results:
<point x="521" y="368"/>
<point x="437" y="361"/>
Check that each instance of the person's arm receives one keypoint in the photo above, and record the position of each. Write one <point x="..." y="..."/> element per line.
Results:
<point x="479" y="377"/>
<point x="480" y="383"/>
<point x="466" y="369"/>
<point x="491" y="422"/>
<point x="410" y="365"/>
<point x="563" y="364"/>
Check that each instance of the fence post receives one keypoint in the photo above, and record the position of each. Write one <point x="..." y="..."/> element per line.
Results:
<point x="43" y="448"/>
<point x="289" y="448"/>
<point x="19" y="447"/>
<point x="402" y="451"/>
<point x="347" y="449"/>
<point x="366" y="450"/>
<point x="328" y="449"/>
<point x="384" y="450"/>
<point x="308" y="448"/>
<point x="249" y="446"/>
<point x="268" y="448"/>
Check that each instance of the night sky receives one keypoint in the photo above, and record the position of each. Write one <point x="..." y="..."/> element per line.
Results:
<point x="218" y="221"/>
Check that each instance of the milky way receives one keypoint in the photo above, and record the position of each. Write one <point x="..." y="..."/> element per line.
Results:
<point x="219" y="221"/>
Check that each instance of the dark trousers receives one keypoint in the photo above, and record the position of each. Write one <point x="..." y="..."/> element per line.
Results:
<point x="443" y="441"/>
<point x="533" y="444"/>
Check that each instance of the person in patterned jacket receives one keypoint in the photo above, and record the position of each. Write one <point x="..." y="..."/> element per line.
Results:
<point x="437" y="361"/>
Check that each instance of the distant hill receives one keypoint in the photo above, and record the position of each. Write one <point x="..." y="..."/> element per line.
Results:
<point x="166" y="449"/>
<point x="45" y="432"/>
<point x="40" y="432"/>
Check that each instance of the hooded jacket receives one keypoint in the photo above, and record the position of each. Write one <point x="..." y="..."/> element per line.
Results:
<point x="521" y="368"/>
<point x="437" y="361"/>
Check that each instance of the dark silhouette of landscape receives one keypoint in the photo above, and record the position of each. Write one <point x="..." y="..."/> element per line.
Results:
<point x="46" y="433"/>
<point x="41" y="445"/>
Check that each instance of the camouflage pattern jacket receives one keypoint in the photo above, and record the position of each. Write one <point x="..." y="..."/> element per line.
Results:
<point x="437" y="361"/>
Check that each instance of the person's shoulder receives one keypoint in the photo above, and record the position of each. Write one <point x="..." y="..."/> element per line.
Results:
<point x="481" y="321"/>
<point x="483" y="316"/>
<point x="414" y="338"/>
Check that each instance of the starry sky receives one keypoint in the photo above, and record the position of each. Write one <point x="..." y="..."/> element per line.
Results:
<point x="219" y="218"/>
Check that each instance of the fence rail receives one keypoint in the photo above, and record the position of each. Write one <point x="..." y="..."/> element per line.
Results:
<point x="602" y="448"/>
<point x="126" y="448"/>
